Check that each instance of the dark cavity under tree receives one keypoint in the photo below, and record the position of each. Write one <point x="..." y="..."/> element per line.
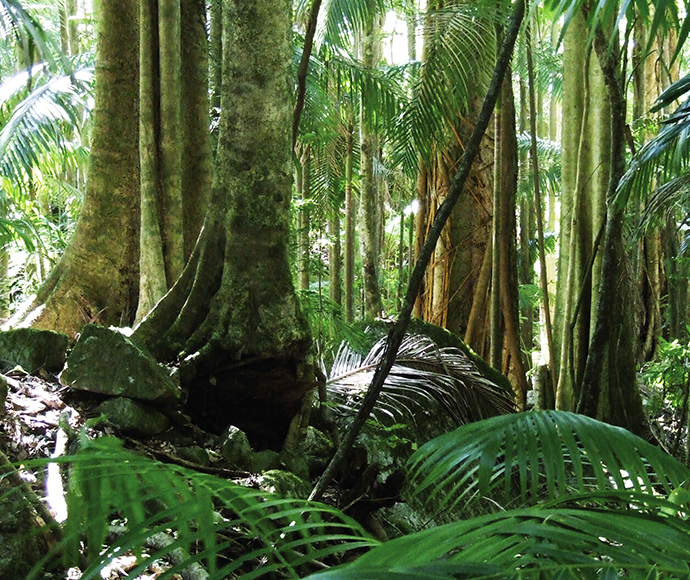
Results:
<point x="232" y="320"/>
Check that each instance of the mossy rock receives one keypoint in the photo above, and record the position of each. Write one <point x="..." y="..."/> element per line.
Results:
<point x="235" y="447"/>
<point x="285" y="484"/>
<point x="105" y="361"/>
<point x="33" y="349"/>
<point x="134" y="417"/>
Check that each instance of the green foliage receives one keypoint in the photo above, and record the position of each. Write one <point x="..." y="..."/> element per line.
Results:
<point x="608" y="516"/>
<point x="109" y="484"/>
<point x="546" y="455"/>
<point x="328" y="325"/>
<point x="669" y="374"/>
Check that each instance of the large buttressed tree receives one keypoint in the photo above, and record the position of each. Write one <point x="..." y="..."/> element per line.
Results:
<point x="232" y="319"/>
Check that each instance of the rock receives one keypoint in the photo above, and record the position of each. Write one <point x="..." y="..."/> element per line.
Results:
<point x="235" y="447"/>
<point x="134" y="417"/>
<point x="296" y="462"/>
<point x="264" y="461"/>
<point x="105" y="361"/>
<point x="33" y="349"/>
<point x="318" y="450"/>
<point x="195" y="454"/>
<point x="284" y="484"/>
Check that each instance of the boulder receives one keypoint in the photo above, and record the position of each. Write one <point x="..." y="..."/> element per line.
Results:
<point x="264" y="461"/>
<point x="33" y="349"/>
<point x="195" y="454"/>
<point x="105" y="361"/>
<point x="134" y="417"/>
<point x="318" y="450"/>
<point x="285" y="484"/>
<point x="235" y="447"/>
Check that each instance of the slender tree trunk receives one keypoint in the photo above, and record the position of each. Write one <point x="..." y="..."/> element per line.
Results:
<point x="197" y="162"/>
<point x="175" y="150"/>
<point x="548" y="398"/>
<point x="349" y="229"/>
<point x="507" y="243"/>
<point x="304" y="219"/>
<point x="526" y="235"/>
<point x="335" y="258"/>
<point x="215" y="53"/>
<point x="610" y="367"/>
<point x="369" y="194"/>
<point x="152" y="282"/>
<point x="495" y="332"/>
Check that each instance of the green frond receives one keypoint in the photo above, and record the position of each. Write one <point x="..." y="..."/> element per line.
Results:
<point x="533" y="543"/>
<point x="422" y="373"/>
<point x="13" y="230"/>
<point x="459" y="55"/>
<point x="343" y="18"/>
<point x="545" y="454"/>
<point x="666" y="156"/>
<point x="26" y="31"/>
<point x="327" y="324"/>
<point x="109" y="483"/>
<point x="36" y="125"/>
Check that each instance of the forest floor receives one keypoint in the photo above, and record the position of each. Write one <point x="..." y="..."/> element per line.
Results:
<point x="40" y="419"/>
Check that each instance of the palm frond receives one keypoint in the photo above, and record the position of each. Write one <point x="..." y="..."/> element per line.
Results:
<point x="457" y="65"/>
<point x="342" y="19"/>
<point x="26" y="30"/>
<point x="533" y="543"/>
<point x="36" y="124"/>
<point x="544" y="454"/>
<point x="661" y="159"/>
<point x="267" y="532"/>
<point x="422" y="373"/>
<point x="14" y="230"/>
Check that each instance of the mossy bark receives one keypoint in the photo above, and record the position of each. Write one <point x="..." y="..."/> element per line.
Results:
<point x="233" y="318"/>
<point x="163" y="141"/>
<point x="96" y="279"/>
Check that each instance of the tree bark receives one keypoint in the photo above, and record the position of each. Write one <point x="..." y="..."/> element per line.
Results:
<point x="369" y="193"/>
<point x="233" y="319"/>
<point x="610" y="366"/>
<point x="350" y="216"/>
<point x="96" y="278"/>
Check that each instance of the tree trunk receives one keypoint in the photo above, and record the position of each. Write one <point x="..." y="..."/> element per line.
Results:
<point x="369" y="195"/>
<point x="609" y="388"/>
<point x="304" y="219"/>
<point x="197" y="166"/>
<point x="96" y="278"/>
<point x="233" y="317"/>
<point x="349" y="228"/>
<point x="507" y="242"/>
<point x="335" y="258"/>
<point x="162" y="227"/>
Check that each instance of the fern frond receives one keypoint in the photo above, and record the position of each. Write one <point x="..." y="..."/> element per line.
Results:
<point x="270" y="533"/>
<point x="533" y="543"/>
<point x="543" y="454"/>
